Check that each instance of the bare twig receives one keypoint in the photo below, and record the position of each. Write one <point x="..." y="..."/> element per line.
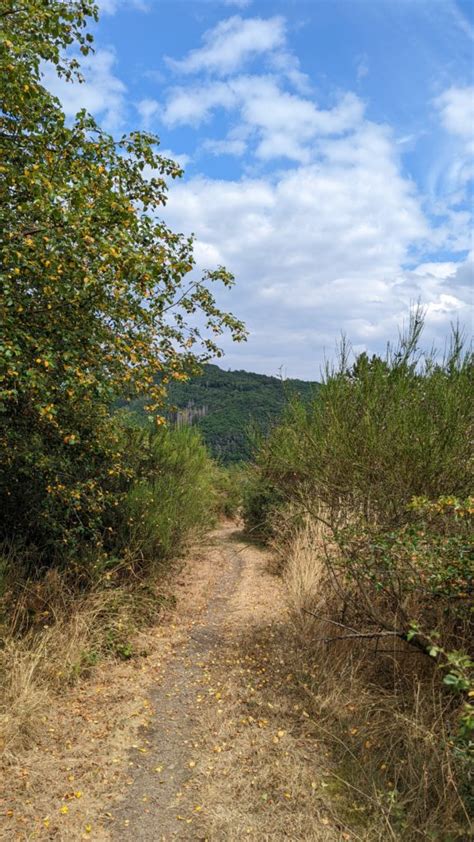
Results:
<point x="327" y="620"/>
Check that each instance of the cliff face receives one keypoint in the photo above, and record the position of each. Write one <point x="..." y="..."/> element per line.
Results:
<point x="188" y="415"/>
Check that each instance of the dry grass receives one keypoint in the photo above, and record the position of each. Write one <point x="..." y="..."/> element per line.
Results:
<point x="266" y="777"/>
<point x="52" y="655"/>
<point x="305" y="576"/>
<point x="382" y="711"/>
<point x="262" y="773"/>
<point x="22" y="698"/>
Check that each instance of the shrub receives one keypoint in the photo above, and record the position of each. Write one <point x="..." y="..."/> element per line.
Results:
<point x="229" y="483"/>
<point x="171" y="498"/>
<point x="261" y="501"/>
<point x="95" y="303"/>
<point x="382" y="594"/>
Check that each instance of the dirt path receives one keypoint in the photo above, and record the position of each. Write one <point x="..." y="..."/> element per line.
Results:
<point x="229" y="753"/>
<point x="202" y="736"/>
<point x="159" y="803"/>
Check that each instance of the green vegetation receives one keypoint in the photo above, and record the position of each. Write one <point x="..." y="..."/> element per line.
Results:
<point x="173" y="496"/>
<point x="232" y="408"/>
<point x="365" y="492"/>
<point x="96" y="300"/>
<point x="96" y="304"/>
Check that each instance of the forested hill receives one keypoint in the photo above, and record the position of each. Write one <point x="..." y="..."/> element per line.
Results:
<point x="226" y="405"/>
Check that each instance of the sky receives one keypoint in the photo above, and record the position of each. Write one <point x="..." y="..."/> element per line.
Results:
<point x="328" y="155"/>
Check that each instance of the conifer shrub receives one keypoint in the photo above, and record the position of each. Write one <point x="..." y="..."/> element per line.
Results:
<point x="171" y="498"/>
<point x="381" y="461"/>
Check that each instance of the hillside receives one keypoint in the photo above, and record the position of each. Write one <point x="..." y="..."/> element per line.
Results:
<point x="227" y="405"/>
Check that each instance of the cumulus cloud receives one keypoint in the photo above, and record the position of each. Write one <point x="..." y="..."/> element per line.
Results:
<point x="330" y="243"/>
<point x="231" y="43"/>
<point x="287" y="124"/>
<point x="148" y="109"/>
<point x="230" y="146"/>
<point x="193" y="105"/>
<point x="322" y="248"/>
<point x="456" y="106"/>
<point x="282" y="123"/>
<point x="456" y="110"/>
<point x="111" y="7"/>
<point x="102" y="93"/>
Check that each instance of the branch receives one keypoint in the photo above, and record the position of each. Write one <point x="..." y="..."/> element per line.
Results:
<point x="333" y="622"/>
<point x="361" y="636"/>
<point x="12" y="12"/>
<point x="355" y="635"/>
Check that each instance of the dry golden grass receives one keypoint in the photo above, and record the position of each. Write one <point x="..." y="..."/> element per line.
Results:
<point x="63" y="645"/>
<point x="22" y="698"/>
<point x="59" y="726"/>
<point x="305" y="576"/>
<point x="262" y="774"/>
<point x="380" y="708"/>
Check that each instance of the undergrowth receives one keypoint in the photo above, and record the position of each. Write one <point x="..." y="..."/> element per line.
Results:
<point x="365" y="497"/>
<point x="58" y="620"/>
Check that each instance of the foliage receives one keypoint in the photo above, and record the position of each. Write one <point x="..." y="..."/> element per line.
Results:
<point x="261" y="503"/>
<point x="380" y="461"/>
<point x="379" y="434"/>
<point x="230" y="483"/>
<point x="232" y="408"/>
<point x="172" y="498"/>
<point x="96" y="299"/>
<point x="380" y="457"/>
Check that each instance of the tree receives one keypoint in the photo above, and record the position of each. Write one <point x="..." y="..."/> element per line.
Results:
<point x="96" y="298"/>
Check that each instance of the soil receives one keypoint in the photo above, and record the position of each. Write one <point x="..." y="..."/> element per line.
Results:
<point x="185" y="742"/>
<point x="165" y="800"/>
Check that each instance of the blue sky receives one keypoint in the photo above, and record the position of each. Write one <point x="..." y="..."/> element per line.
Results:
<point x="328" y="152"/>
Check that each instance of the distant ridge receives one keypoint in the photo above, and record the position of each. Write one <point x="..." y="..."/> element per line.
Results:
<point x="225" y="405"/>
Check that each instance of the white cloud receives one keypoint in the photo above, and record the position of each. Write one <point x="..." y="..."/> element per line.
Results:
<point x="321" y="248"/>
<point x="456" y="106"/>
<point x="111" y="7"/>
<point x="283" y="124"/>
<point x="194" y="105"/>
<point x="287" y="125"/>
<point x="102" y="93"/>
<point x="455" y="168"/>
<point x="288" y="66"/>
<point x="229" y="146"/>
<point x="231" y="43"/>
<point x="147" y="109"/>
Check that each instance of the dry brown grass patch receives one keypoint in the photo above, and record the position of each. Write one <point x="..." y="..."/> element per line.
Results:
<point x="381" y="707"/>
<point x="264" y="779"/>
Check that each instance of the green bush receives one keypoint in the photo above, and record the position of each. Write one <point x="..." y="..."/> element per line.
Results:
<point x="231" y="482"/>
<point x="171" y="497"/>
<point x="381" y="460"/>
<point x="95" y="299"/>
<point x="378" y="434"/>
<point x="261" y="501"/>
